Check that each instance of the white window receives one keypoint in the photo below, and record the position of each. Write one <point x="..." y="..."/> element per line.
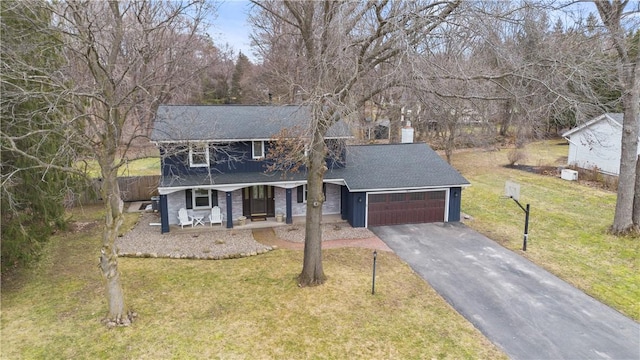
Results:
<point x="304" y="193"/>
<point x="257" y="149"/>
<point x="201" y="199"/>
<point x="199" y="155"/>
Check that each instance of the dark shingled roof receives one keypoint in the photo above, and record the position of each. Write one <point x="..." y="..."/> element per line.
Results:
<point x="397" y="166"/>
<point x="369" y="168"/>
<point x="232" y="122"/>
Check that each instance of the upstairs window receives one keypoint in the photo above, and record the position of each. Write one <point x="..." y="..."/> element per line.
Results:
<point x="257" y="149"/>
<point x="199" y="155"/>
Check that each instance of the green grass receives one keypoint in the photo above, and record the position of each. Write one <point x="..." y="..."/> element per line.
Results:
<point x="138" y="167"/>
<point x="246" y="308"/>
<point x="568" y="223"/>
<point x="250" y="308"/>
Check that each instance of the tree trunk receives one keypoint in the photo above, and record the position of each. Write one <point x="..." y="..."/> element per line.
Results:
<point x="636" y="199"/>
<point x="450" y="139"/>
<point x="109" y="265"/>
<point x="506" y="118"/>
<point x="114" y="207"/>
<point x="623" y="219"/>
<point x="312" y="272"/>
<point x="627" y="65"/>
<point x="395" y="124"/>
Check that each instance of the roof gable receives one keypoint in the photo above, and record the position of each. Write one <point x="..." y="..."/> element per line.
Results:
<point x="232" y="122"/>
<point x="614" y="119"/>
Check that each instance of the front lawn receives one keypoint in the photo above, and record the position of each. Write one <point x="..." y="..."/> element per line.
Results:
<point x="247" y="308"/>
<point x="568" y="226"/>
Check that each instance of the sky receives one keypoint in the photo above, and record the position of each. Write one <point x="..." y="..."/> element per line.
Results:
<point x="231" y="26"/>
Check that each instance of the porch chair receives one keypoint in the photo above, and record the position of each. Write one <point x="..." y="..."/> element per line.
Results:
<point x="215" y="217"/>
<point x="184" y="218"/>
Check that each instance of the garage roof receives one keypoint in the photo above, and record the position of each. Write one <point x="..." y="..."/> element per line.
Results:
<point x="396" y="166"/>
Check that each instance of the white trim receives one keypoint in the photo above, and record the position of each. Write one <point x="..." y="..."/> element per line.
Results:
<point x="206" y="154"/>
<point x="253" y="148"/>
<point x="165" y="190"/>
<point x="605" y="116"/>
<point x="408" y="189"/>
<point x="193" y="199"/>
<point x="447" y="194"/>
<point x="334" y="181"/>
<point x="229" y="187"/>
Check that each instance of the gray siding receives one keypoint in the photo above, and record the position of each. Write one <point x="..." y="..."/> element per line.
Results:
<point x="176" y="200"/>
<point x="331" y="205"/>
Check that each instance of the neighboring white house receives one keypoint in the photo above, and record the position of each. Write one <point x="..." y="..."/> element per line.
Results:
<point x="596" y="144"/>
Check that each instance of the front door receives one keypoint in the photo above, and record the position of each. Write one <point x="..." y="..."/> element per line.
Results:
<point x="258" y="201"/>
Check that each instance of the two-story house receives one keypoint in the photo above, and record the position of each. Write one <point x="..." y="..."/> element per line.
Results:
<point x="217" y="156"/>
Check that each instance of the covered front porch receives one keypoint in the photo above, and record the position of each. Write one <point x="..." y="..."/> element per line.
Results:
<point x="245" y="206"/>
<point x="248" y="224"/>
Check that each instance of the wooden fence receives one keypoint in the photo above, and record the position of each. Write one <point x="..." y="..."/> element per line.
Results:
<point x="132" y="188"/>
<point x="138" y="188"/>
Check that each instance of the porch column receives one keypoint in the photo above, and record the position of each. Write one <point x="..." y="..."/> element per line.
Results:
<point x="289" y="210"/>
<point x="164" y="214"/>
<point x="229" y="210"/>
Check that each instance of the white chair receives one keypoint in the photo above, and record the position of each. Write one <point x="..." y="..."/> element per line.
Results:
<point x="215" y="217"/>
<point x="184" y="218"/>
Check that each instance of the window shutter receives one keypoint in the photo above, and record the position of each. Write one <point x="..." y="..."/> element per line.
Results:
<point x="214" y="198"/>
<point x="300" y="193"/>
<point x="324" y="190"/>
<point x="189" y="199"/>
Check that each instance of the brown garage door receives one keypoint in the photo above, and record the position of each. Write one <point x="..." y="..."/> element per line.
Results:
<point x="406" y="208"/>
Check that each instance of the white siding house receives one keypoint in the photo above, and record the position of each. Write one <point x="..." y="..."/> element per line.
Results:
<point x="596" y="144"/>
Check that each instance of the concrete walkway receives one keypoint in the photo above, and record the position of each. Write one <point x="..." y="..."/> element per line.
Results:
<point x="527" y="311"/>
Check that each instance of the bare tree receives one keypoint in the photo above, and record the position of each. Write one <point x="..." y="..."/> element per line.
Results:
<point x="578" y="72"/>
<point x="122" y="60"/>
<point x="128" y="58"/>
<point x="625" y="42"/>
<point x="341" y="49"/>
<point x="213" y="85"/>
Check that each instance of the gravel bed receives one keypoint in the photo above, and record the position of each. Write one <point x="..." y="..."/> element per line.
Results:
<point x="337" y="231"/>
<point x="145" y="240"/>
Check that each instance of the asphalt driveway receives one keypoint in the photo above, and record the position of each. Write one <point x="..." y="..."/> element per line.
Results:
<point x="527" y="311"/>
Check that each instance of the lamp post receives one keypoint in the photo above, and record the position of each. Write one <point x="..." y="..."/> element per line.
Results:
<point x="373" y="282"/>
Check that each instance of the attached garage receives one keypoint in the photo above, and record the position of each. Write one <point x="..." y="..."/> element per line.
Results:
<point x="406" y="208"/>
<point x="393" y="184"/>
